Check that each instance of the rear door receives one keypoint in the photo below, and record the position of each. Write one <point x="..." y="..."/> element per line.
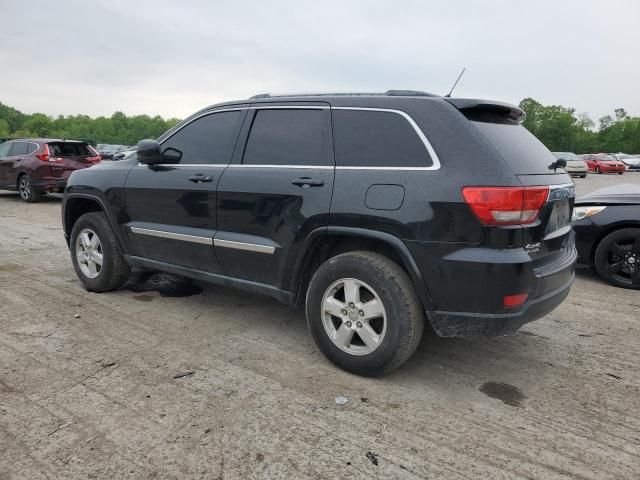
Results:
<point x="17" y="158"/>
<point x="276" y="192"/>
<point x="172" y="208"/>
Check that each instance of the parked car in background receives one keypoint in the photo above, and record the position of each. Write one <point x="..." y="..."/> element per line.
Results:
<point x="604" y="163"/>
<point x="607" y="226"/>
<point x="342" y="204"/>
<point x="34" y="166"/>
<point x="575" y="165"/>
<point x="107" y="151"/>
<point x="124" y="153"/>
<point x="632" y="162"/>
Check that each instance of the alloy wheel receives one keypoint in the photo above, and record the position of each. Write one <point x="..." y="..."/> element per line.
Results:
<point x="89" y="253"/>
<point x="623" y="260"/>
<point x="24" y="187"/>
<point x="353" y="316"/>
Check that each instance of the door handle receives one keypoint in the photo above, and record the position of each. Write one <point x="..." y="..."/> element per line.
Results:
<point x="306" y="182"/>
<point x="200" y="178"/>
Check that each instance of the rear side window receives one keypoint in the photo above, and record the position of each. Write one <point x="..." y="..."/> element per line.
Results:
<point x="289" y="137"/>
<point x="207" y="140"/>
<point x="69" y="149"/>
<point x="519" y="147"/>
<point x="19" y="148"/>
<point x="364" y="138"/>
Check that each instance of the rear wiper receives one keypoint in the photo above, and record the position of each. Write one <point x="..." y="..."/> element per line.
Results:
<point x="560" y="163"/>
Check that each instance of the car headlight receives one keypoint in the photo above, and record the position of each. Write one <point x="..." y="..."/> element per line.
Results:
<point x="583" y="212"/>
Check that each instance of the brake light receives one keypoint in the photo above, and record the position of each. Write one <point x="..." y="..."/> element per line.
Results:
<point x="44" y="156"/>
<point x="506" y="205"/>
<point x="511" y="301"/>
<point x="94" y="159"/>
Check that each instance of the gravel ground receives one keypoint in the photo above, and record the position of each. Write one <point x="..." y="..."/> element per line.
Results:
<point x="89" y="383"/>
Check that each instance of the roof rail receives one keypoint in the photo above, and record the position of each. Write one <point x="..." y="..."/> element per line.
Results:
<point x="394" y="93"/>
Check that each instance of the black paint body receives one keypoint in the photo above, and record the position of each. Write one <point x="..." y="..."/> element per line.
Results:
<point x="460" y="269"/>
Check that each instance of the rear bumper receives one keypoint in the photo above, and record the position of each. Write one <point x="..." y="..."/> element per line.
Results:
<point x="459" y="324"/>
<point x="50" y="184"/>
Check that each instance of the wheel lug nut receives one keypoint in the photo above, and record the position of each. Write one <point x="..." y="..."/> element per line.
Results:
<point x="344" y="312"/>
<point x="351" y="304"/>
<point x="361" y="312"/>
<point x="359" y="325"/>
<point x="349" y="324"/>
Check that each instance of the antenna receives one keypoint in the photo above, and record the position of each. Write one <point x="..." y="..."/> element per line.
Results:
<point x="457" y="80"/>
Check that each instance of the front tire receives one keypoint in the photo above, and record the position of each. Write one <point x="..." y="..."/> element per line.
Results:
<point x="27" y="191"/>
<point x="363" y="313"/>
<point x="617" y="258"/>
<point x="95" y="254"/>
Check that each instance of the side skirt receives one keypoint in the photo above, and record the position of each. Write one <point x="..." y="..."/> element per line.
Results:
<point x="246" y="285"/>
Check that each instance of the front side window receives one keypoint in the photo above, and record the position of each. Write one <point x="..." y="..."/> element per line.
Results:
<point x="5" y="148"/>
<point x="289" y="137"/>
<point x="364" y="138"/>
<point x="207" y="140"/>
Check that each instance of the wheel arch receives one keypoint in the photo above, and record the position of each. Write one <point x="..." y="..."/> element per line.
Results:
<point x="610" y="229"/>
<point x="327" y="242"/>
<point x="76" y="205"/>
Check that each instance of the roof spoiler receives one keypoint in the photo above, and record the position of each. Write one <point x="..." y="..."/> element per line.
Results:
<point x="506" y="109"/>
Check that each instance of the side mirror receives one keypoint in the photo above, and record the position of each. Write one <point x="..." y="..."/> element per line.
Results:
<point x="149" y="153"/>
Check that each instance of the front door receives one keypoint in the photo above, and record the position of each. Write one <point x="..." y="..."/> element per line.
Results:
<point x="276" y="191"/>
<point x="171" y="209"/>
<point x="6" y="163"/>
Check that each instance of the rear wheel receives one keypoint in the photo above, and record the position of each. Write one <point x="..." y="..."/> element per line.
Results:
<point x="363" y="313"/>
<point x="598" y="170"/>
<point x="96" y="257"/>
<point x="617" y="258"/>
<point x="27" y="191"/>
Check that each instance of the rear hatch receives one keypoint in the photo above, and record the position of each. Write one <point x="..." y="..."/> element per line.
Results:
<point x="67" y="156"/>
<point x="546" y="236"/>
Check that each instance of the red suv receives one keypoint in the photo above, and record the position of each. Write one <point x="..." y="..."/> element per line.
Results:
<point x="604" y="163"/>
<point x="35" y="166"/>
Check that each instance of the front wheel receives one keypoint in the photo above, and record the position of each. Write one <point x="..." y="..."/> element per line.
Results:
<point x="27" y="191"/>
<point x="95" y="254"/>
<point x="363" y="313"/>
<point x="617" y="258"/>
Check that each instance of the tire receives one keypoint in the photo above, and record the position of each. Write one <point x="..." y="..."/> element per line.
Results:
<point x="612" y="258"/>
<point x="583" y="176"/>
<point x="620" y="173"/>
<point x="598" y="170"/>
<point x="114" y="270"/>
<point x="27" y="191"/>
<point x="399" y="329"/>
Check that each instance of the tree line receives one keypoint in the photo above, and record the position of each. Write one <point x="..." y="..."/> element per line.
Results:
<point x="559" y="128"/>
<point x="118" y="129"/>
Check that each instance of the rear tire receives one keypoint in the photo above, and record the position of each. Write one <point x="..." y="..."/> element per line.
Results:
<point x="617" y="258"/>
<point x="598" y="170"/>
<point x="95" y="254"/>
<point x="27" y="191"/>
<point x="383" y="324"/>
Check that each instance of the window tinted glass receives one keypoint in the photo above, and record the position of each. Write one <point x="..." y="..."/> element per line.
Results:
<point x="515" y="144"/>
<point x="32" y="147"/>
<point x="4" y="149"/>
<point x="377" y="139"/>
<point x="69" y="149"/>
<point x="289" y="137"/>
<point x="19" y="148"/>
<point x="208" y="139"/>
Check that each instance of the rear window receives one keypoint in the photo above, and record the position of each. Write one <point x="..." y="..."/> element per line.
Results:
<point x="70" y="149"/>
<point x="367" y="138"/>
<point x="519" y="147"/>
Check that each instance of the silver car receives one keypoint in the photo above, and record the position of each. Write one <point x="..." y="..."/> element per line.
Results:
<point x="575" y="165"/>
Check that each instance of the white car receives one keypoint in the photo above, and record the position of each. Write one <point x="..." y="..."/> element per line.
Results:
<point x="575" y="165"/>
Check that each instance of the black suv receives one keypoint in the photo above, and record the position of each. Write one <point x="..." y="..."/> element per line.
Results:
<point x="375" y="211"/>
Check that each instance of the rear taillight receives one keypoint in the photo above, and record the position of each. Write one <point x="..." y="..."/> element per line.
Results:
<point x="94" y="159"/>
<point x="506" y="205"/>
<point x="44" y="156"/>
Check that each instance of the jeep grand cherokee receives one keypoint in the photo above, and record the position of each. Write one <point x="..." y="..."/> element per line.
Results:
<point x="377" y="212"/>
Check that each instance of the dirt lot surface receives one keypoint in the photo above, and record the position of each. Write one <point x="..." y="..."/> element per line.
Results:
<point x="89" y="383"/>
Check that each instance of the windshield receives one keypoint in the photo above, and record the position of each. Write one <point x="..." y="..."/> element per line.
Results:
<point x="608" y="158"/>
<point x="566" y="156"/>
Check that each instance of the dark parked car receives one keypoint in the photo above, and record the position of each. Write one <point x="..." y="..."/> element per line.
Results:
<point x="107" y="152"/>
<point x="607" y="226"/>
<point x="373" y="211"/>
<point x="34" y="166"/>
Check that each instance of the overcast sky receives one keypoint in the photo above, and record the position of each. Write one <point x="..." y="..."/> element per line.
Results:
<point x="174" y="57"/>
